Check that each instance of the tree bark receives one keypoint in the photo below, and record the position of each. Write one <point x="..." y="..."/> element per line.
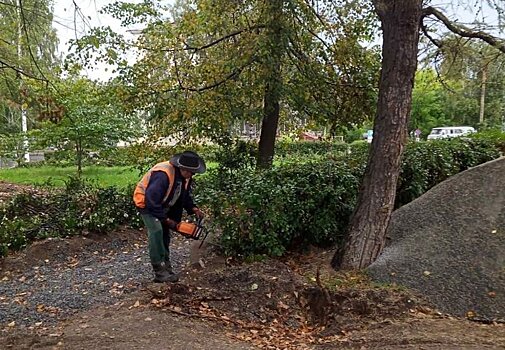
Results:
<point x="400" y="21"/>
<point x="79" y="154"/>
<point x="273" y="85"/>
<point x="483" y="94"/>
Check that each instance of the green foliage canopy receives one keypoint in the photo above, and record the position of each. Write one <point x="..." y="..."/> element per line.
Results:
<point x="201" y="64"/>
<point x="92" y="120"/>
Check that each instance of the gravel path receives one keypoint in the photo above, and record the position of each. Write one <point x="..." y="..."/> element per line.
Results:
<point x="104" y="273"/>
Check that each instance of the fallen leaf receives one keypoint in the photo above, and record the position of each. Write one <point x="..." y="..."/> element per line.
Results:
<point x="281" y="305"/>
<point x="201" y="263"/>
<point x="177" y="309"/>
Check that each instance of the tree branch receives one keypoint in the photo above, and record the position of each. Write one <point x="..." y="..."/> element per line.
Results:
<point x="4" y="65"/>
<point x="25" y="31"/>
<point x="435" y="42"/>
<point x="463" y="31"/>
<point x="223" y="38"/>
<point x="234" y="73"/>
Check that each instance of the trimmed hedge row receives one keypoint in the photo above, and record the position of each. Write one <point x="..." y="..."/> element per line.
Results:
<point x="303" y="200"/>
<point x="426" y="164"/>
<point x="308" y="200"/>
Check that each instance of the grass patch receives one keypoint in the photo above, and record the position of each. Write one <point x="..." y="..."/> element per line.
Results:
<point x="103" y="176"/>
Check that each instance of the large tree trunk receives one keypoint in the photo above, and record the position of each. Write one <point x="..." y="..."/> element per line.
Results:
<point x="268" y="128"/>
<point x="366" y="234"/>
<point x="273" y="85"/>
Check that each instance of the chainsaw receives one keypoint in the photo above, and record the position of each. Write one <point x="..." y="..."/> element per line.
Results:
<point x="193" y="230"/>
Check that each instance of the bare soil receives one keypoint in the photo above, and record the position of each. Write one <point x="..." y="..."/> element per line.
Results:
<point x="297" y="302"/>
<point x="274" y="304"/>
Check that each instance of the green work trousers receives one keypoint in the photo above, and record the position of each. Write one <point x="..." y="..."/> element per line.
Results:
<point x="159" y="239"/>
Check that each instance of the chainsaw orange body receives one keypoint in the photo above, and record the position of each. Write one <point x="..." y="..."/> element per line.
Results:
<point x="193" y="230"/>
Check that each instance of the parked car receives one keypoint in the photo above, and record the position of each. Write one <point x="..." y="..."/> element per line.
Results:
<point x="450" y="131"/>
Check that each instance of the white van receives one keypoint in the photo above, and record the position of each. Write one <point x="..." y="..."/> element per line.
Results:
<point x="450" y="131"/>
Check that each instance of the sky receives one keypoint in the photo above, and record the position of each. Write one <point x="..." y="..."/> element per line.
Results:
<point x="69" y="25"/>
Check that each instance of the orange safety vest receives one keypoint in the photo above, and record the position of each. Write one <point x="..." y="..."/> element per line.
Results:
<point x="139" y="194"/>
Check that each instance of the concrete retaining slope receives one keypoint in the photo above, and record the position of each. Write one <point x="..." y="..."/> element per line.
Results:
<point x="449" y="244"/>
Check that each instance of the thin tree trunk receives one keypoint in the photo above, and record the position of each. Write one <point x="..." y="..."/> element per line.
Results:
<point x="79" y="150"/>
<point x="366" y="234"/>
<point x="273" y="86"/>
<point x="22" y="97"/>
<point x="483" y="94"/>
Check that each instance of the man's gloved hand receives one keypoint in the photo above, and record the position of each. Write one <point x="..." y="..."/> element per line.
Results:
<point x="172" y="224"/>
<point x="198" y="213"/>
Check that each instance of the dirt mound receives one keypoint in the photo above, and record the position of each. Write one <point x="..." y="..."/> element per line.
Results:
<point x="9" y="190"/>
<point x="449" y="244"/>
<point x="293" y="303"/>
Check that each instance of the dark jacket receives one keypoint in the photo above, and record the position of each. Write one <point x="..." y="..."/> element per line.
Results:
<point x="156" y="189"/>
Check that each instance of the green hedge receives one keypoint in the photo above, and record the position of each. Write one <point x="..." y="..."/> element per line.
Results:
<point x="305" y="199"/>
<point x="309" y="199"/>
<point x="271" y="211"/>
<point x="426" y="164"/>
<point x="289" y="149"/>
<point x="141" y="156"/>
<point x="79" y="208"/>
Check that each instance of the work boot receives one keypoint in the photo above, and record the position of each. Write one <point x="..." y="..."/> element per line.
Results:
<point x="168" y="266"/>
<point x="170" y="270"/>
<point x="161" y="275"/>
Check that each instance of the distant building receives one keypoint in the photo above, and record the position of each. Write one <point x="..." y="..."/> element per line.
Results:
<point x="309" y="136"/>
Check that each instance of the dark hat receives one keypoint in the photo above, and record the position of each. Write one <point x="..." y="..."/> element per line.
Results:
<point x="189" y="161"/>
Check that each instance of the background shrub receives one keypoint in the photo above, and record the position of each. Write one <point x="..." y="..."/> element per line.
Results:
<point x="79" y="208"/>
<point x="288" y="207"/>
<point x="425" y="164"/>
<point x="309" y="199"/>
<point x="306" y="199"/>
